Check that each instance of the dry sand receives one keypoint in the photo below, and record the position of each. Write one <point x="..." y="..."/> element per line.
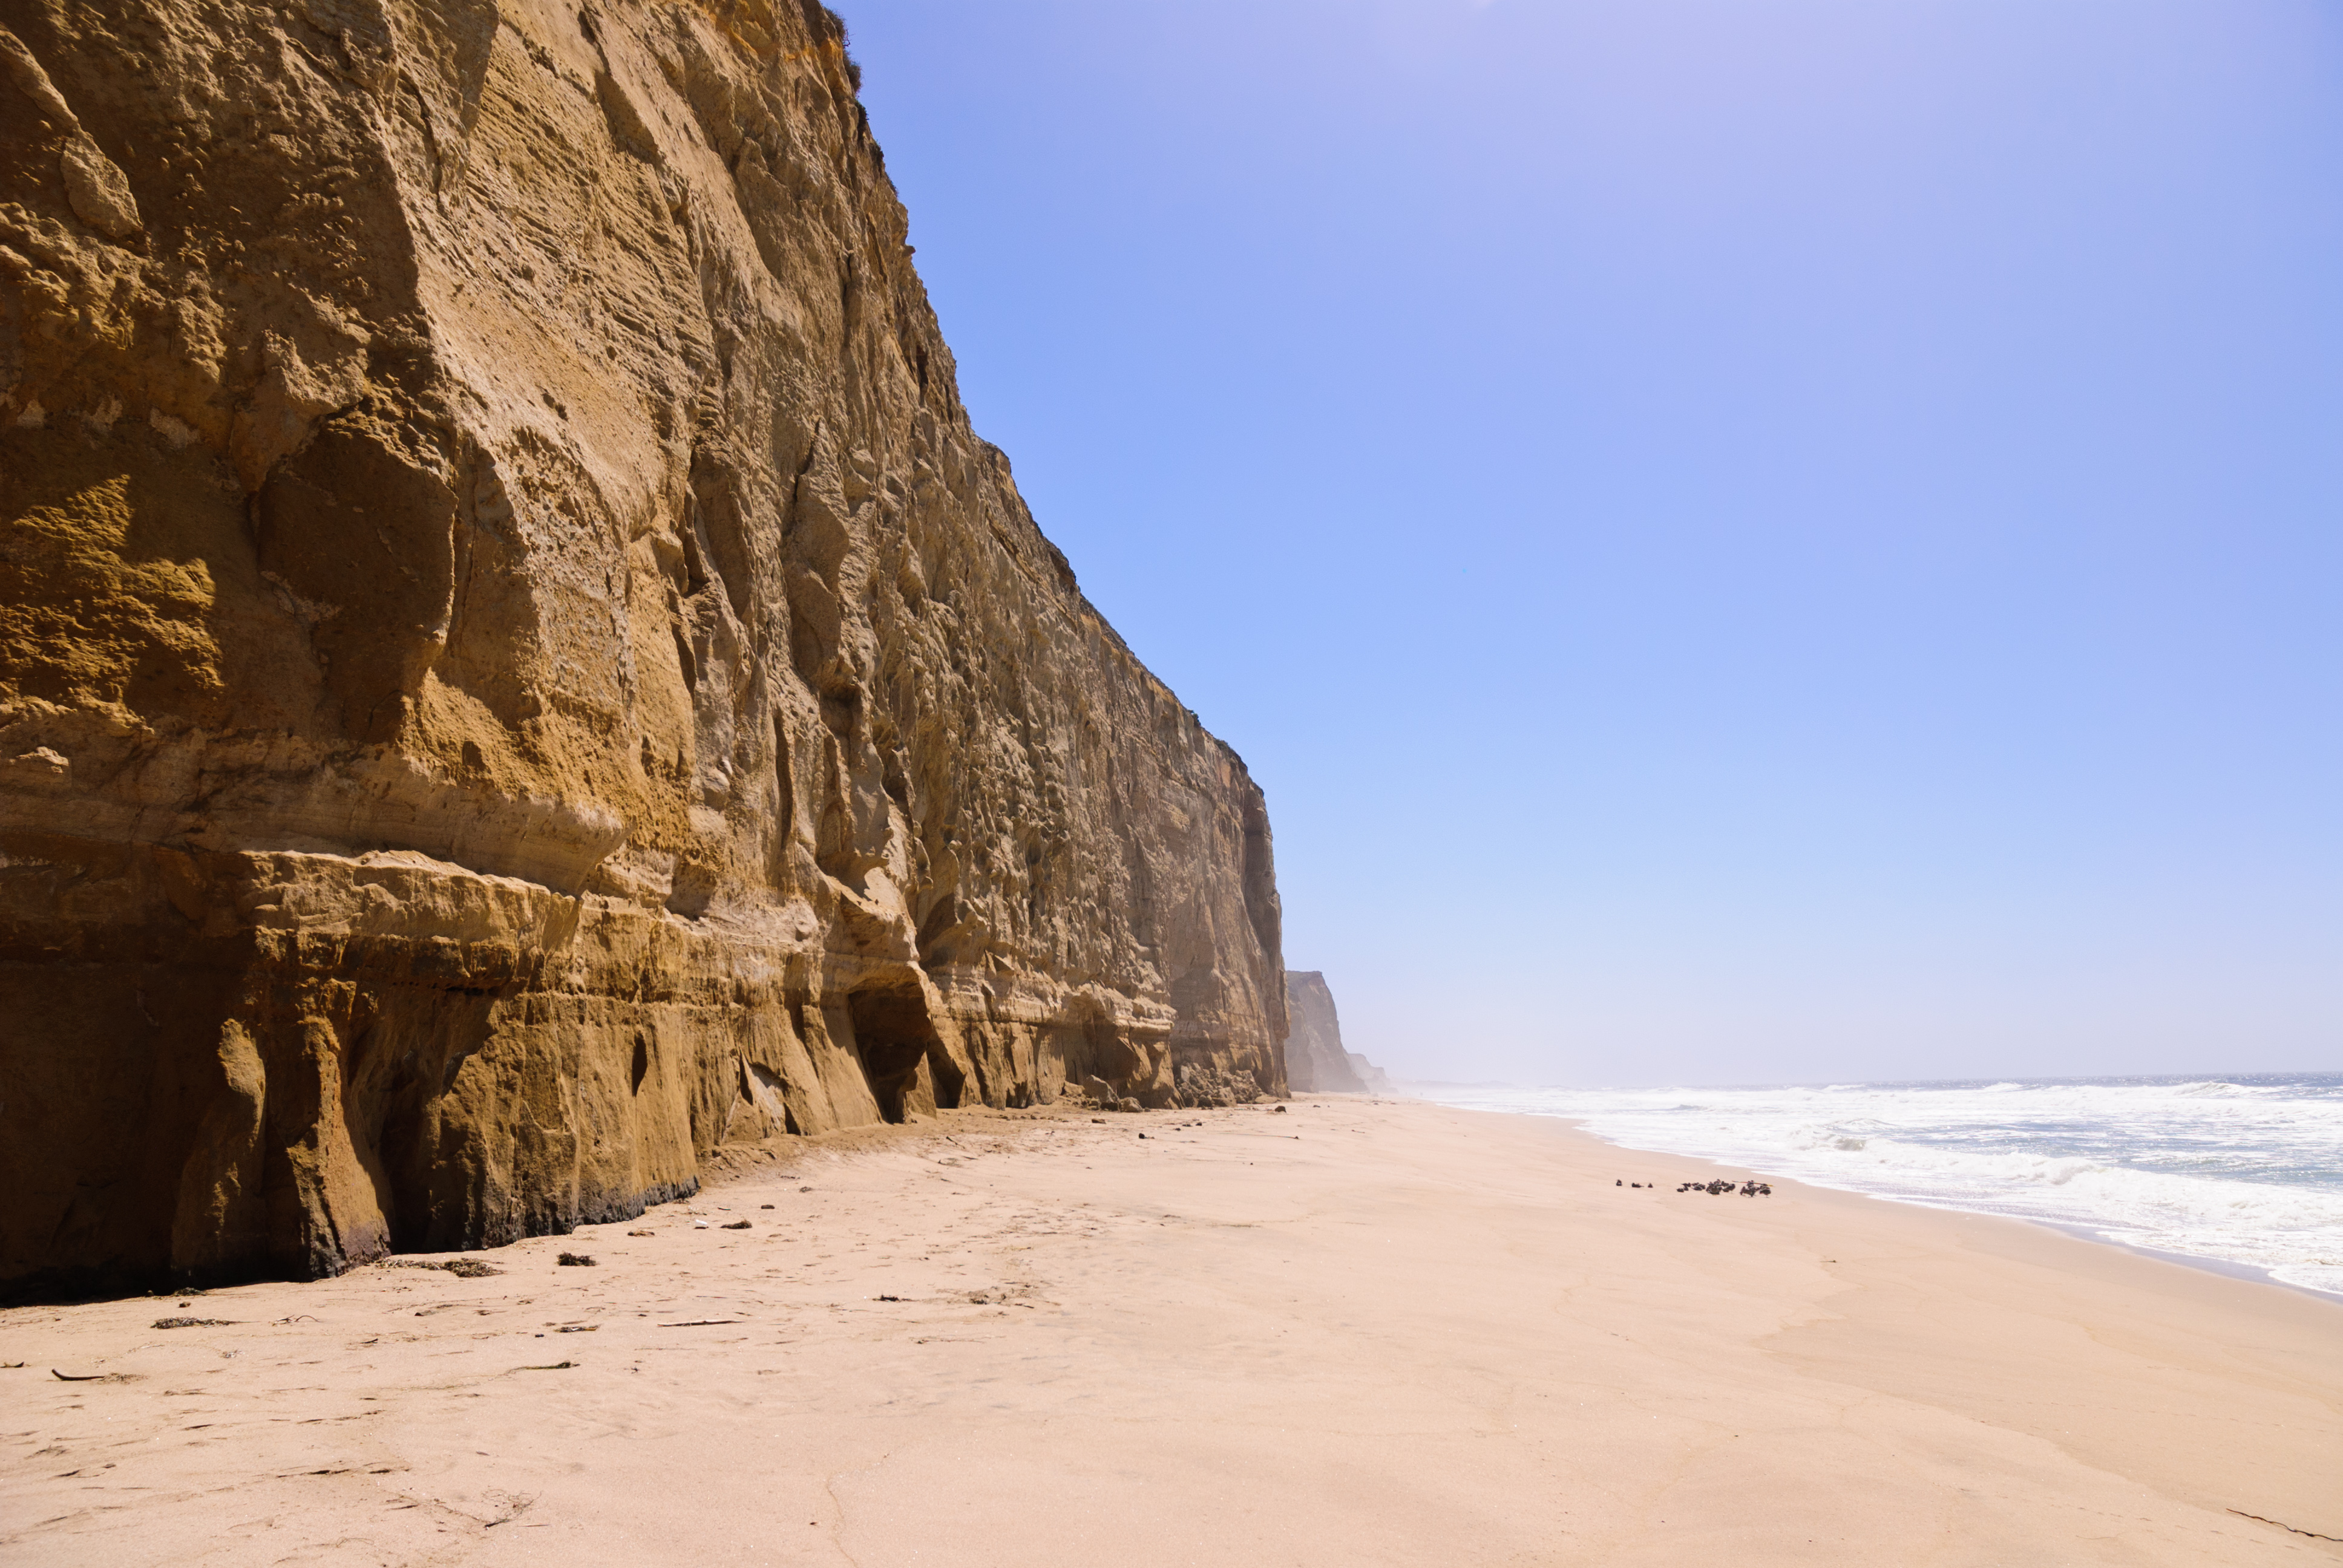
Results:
<point x="1349" y="1333"/>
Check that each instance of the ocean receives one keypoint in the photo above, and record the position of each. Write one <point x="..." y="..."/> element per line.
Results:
<point x="2242" y="1172"/>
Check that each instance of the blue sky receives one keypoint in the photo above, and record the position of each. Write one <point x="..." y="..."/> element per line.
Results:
<point x="1746" y="540"/>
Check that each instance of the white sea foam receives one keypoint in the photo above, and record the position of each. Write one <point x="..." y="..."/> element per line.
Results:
<point x="2242" y="1172"/>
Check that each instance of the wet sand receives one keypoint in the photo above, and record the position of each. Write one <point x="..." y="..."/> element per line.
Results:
<point x="1351" y="1332"/>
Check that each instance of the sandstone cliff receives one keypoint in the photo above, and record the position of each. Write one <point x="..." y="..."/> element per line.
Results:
<point x="1315" y="1059"/>
<point x="1315" y="1062"/>
<point x="515" y="671"/>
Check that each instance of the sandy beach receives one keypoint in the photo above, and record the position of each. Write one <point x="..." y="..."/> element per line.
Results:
<point x="1346" y="1333"/>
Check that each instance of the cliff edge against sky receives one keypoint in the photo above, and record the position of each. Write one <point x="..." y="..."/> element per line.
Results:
<point x="515" y="670"/>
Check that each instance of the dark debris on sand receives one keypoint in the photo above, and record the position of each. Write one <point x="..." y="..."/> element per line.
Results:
<point x="462" y="1268"/>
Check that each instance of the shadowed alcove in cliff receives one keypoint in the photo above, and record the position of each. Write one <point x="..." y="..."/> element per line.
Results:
<point x="902" y="1055"/>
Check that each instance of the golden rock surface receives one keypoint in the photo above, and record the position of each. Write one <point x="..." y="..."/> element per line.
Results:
<point x="515" y="671"/>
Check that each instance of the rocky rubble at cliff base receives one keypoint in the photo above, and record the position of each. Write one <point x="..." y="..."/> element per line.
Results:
<point x="516" y="673"/>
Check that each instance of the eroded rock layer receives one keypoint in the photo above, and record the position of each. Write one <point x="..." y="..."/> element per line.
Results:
<point x="514" y="668"/>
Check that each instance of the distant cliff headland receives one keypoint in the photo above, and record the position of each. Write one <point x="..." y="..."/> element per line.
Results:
<point x="515" y="671"/>
<point x="1315" y="1059"/>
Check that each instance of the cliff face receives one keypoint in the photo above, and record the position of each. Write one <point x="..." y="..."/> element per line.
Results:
<point x="514" y="668"/>
<point x="1315" y="1059"/>
<point x="1315" y="1062"/>
<point x="1371" y="1078"/>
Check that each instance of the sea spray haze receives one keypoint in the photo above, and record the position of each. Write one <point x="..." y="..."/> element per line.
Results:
<point x="2242" y="1172"/>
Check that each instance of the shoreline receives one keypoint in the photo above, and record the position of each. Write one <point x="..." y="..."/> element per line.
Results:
<point x="1338" y="1333"/>
<point x="2227" y="1268"/>
<point x="1985" y="1203"/>
<point x="2222" y="1266"/>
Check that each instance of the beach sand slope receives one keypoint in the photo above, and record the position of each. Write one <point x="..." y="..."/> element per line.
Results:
<point x="1350" y="1332"/>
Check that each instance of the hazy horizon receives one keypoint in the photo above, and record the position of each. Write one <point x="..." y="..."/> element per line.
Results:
<point x="1778" y="542"/>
